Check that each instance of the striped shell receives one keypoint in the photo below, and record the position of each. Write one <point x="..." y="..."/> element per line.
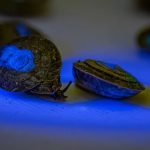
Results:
<point x="11" y="30"/>
<point x="143" y="38"/>
<point x="30" y="64"/>
<point x="105" y="79"/>
<point x="143" y="5"/>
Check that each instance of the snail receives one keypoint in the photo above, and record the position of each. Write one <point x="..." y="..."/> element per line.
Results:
<point x="105" y="79"/>
<point x="31" y="64"/>
<point x="11" y="30"/>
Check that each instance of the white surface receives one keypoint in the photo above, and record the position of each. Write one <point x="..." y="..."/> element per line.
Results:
<point x="101" y="29"/>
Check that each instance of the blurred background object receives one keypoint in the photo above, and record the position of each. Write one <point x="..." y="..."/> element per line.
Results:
<point x="143" y="38"/>
<point x="144" y="4"/>
<point x="11" y="30"/>
<point x="23" y="7"/>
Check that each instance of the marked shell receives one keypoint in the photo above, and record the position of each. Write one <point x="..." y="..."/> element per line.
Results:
<point x="11" y="30"/>
<point x="143" y="38"/>
<point x="105" y="79"/>
<point x="30" y="64"/>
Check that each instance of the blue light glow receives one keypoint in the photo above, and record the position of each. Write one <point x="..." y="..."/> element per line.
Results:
<point x="66" y="71"/>
<point x="22" y="30"/>
<point x="16" y="59"/>
<point x="97" y="113"/>
<point x="93" y="112"/>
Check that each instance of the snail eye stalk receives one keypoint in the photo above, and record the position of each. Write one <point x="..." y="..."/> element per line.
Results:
<point x="67" y="87"/>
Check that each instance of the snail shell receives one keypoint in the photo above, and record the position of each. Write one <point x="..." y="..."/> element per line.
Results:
<point x="30" y="64"/>
<point x="105" y="79"/>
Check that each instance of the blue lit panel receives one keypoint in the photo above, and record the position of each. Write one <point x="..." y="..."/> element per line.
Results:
<point x="93" y="113"/>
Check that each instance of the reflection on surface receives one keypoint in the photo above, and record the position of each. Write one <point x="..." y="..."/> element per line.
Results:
<point x="92" y="112"/>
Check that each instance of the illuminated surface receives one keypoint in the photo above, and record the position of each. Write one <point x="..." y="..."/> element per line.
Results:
<point x="16" y="59"/>
<point x="100" y="112"/>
